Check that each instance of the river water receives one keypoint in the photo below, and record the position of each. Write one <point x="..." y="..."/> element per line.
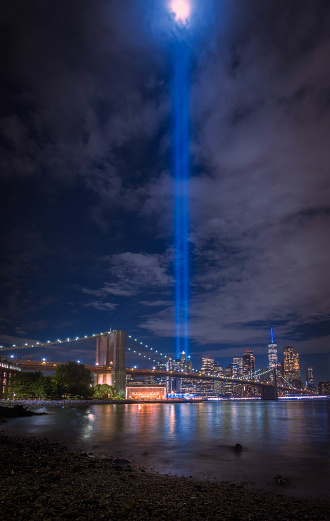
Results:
<point x="290" y="438"/>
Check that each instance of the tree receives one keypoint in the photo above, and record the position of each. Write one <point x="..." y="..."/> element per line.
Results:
<point x="76" y="378"/>
<point x="26" y="385"/>
<point x="52" y="389"/>
<point x="119" y="396"/>
<point x="103" y="391"/>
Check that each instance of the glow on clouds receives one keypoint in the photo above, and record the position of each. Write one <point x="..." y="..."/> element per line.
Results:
<point x="181" y="9"/>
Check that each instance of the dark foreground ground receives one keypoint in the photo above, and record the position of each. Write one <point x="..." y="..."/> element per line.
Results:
<point x="44" y="481"/>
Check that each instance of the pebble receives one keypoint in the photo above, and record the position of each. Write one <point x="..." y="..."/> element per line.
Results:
<point x="44" y="480"/>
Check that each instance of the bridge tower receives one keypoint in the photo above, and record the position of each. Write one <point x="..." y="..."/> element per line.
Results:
<point x="270" y="392"/>
<point x="110" y="352"/>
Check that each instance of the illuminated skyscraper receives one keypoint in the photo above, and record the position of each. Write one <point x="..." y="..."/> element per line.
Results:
<point x="272" y="351"/>
<point x="219" y="387"/>
<point x="249" y="363"/>
<point x="207" y="365"/>
<point x="239" y="363"/>
<point x="288" y="363"/>
<point x="296" y="366"/>
<point x="183" y="362"/>
<point x="206" y="387"/>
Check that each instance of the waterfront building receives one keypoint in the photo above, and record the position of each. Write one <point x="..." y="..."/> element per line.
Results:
<point x="272" y="351"/>
<point x="7" y="370"/>
<point x="146" y="393"/>
<point x="249" y="363"/>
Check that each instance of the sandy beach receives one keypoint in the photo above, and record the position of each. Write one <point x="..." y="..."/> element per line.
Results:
<point x="44" y="480"/>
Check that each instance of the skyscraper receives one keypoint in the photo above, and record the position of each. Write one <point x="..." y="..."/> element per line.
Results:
<point x="288" y="362"/>
<point x="239" y="363"/>
<point x="272" y="351"/>
<point x="296" y="366"/>
<point x="183" y="362"/>
<point x="249" y="363"/>
<point x="206" y="387"/>
<point x="219" y="387"/>
<point x="207" y="365"/>
<point x="310" y="379"/>
<point x="189" y="365"/>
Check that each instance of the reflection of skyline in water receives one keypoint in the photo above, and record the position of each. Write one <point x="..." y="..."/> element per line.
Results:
<point x="288" y="438"/>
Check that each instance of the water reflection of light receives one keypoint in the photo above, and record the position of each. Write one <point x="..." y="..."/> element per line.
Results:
<point x="172" y="420"/>
<point x="88" y="428"/>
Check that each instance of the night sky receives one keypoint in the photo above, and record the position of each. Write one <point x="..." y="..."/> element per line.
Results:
<point x="87" y="184"/>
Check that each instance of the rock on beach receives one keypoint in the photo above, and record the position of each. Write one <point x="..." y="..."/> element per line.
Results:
<point x="40" y="479"/>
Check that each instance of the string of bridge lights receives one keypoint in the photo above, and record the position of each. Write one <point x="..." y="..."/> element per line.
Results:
<point x="51" y="342"/>
<point x="85" y="337"/>
<point x="144" y="345"/>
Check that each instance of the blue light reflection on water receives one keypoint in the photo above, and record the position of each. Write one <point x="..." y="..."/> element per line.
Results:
<point x="288" y="438"/>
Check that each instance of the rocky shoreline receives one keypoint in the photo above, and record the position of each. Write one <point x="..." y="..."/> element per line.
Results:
<point x="70" y="403"/>
<point x="40" y="479"/>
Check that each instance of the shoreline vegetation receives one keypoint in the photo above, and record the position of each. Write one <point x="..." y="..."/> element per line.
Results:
<point x="44" y="480"/>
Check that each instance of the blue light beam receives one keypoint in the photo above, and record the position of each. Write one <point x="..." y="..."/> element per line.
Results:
<point x="181" y="171"/>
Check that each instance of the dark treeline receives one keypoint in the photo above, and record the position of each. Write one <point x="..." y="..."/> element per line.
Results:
<point x="70" y="380"/>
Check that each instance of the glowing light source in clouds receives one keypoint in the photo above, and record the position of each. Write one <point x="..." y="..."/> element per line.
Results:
<point x="181" y="9"/>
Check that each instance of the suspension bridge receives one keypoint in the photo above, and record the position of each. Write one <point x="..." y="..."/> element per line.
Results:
<point x="112" y="350"/>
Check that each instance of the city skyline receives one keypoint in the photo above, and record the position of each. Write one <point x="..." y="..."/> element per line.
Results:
<point x="87" y="178"/>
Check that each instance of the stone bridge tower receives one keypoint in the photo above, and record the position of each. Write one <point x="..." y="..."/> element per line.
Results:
<point x="110" y="352"/>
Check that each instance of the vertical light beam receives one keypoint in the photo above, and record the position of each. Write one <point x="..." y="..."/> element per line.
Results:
<point x="181" y="170"/>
